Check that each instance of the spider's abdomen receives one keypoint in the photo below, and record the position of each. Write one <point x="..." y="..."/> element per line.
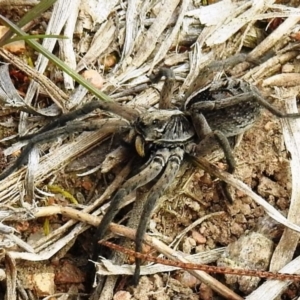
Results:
<point x="230" y="117"/>
<point x="235" y="119"/>
<point x="165" y="127"/>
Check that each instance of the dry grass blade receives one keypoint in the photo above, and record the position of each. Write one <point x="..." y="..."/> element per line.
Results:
<point x="285" y="249"/>
<point x="58" y="96"/>
<point x="273" y="288"/>
<point x="270" y="210"/>
<point x="291" y="132"/>
<point x="132" y="38"/>
<point x="11" y="277"/>
<point x="146" y="46"/>
<point x="129" y="233"/>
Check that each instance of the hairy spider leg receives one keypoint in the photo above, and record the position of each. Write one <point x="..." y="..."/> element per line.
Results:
<point x="165" y="180"/>
<point x="151" y="171"/>
<point x="123" y="111"/>
<point x="209" y="71"/>
<point x="275" y="111"/>
<point x="63" y="119"/>
<point x="207" y="143"/>
<point x="109" y="125"/>
<point x="38" y="137"/>
<point x="167" y="91"/>
<point x="252" y="94"/>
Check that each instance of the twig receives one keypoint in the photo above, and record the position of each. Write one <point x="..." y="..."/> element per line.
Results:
<point x="130" y="233"/>
<point x="205" y="268"/>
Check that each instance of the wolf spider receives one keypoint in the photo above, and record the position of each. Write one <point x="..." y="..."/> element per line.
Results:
<point x="165" y="136"/>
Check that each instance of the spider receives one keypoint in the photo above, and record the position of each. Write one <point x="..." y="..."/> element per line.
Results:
<point x="208" y="118"/>
<point x="164" y="136"/>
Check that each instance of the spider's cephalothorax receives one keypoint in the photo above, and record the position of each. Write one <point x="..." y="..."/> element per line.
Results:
<point x="162" y="128"/>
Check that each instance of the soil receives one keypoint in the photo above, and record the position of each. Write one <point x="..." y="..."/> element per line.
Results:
<point x="262" y="163"/>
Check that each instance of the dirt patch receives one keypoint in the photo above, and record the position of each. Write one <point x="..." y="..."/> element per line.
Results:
<point x="125" y="43"/>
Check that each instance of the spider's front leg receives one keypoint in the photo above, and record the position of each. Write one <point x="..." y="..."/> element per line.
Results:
<point x="54" y="128"/>
<point x="166" y="178"/>
<point x="151" y="171"/>
<point x="123" y="111"/>
<point x="108" y="126"/>
<point x="167" y="91"/>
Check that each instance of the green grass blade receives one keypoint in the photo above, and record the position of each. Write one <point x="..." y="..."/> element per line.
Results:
<point x="35" y="37"/>
<point x="35" y="12"/>
<point x="60" y="64"/>
<point x="32" y="14"/>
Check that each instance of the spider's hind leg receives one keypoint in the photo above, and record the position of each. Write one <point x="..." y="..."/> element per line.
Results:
<point x="275" y="111"/>
<point x="209" y="141"/>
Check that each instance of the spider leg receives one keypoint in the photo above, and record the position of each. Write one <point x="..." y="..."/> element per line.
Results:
<point x="232" y="61"/>
<point x="224" y="103"/>
<point x="123" y="111"/>
<point x="108" y="124"/>
<point x="167" y="177"/>
<point x="19" y="161"/>
<point x="275" y="111"/>
<point x="209" y="141"/>
<point x="226" y="64"/>
<point x="253" y="93"/>
<point x="167" y="91"/>
<point x="63" y="119"/>
<point x="151" y="171"/>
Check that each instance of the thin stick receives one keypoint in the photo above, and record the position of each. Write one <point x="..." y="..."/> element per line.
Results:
<point x="206" y="268"/>
<point x="130" y="233"/>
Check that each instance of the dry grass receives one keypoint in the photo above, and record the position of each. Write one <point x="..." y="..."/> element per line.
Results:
<point x="125" y="43"/>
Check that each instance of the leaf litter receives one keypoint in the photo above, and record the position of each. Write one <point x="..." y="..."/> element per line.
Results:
<point x="143" y="36"/>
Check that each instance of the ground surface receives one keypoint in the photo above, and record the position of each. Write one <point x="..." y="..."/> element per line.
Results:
<point x="56" y="265"/>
